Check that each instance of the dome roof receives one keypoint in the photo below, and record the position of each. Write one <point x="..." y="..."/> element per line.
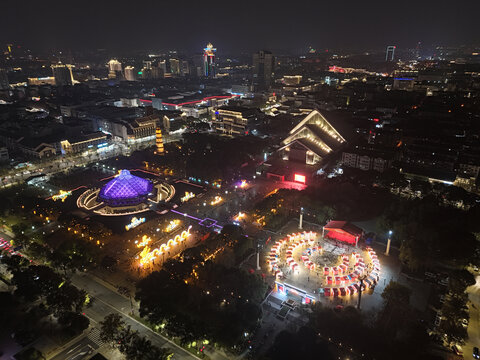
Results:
<point x="125" y="186"/>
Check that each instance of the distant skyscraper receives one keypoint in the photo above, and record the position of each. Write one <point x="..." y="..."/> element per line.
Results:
<point x="4" y="84"/>
<point x="62" y="74"/>
<point x="418" y="50"/>
<point x="197" y="69"/>
<point x="157" y="73"/>
<point x="390" y="53"/>
<point x="209" y="61"/>
<point x="114" y="69"/>
<point x="185" y="68"/>
<point x="263" y="66"/>
<point x="163" y="65"/>
<point x="130" y="73"/>
<point x="175" y="66"/>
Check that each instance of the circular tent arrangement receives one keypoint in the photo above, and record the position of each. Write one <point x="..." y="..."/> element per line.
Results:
<point x="350" y="284"/>
<point x="296" y="241"/>
<point x="341" y="279"/>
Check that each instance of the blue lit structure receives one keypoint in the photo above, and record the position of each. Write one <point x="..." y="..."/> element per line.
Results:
<point x="125" y="189"/>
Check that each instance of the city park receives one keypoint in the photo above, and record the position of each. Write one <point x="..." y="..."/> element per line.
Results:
<point x="305" y="265"/>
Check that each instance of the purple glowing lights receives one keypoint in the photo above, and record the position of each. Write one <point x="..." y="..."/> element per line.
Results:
<point x="124" y="189"/>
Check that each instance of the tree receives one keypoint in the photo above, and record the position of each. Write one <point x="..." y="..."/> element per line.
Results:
<point x="34" y="281"/>
<point x="138" y="348"/>
<point x="15" y="262"/>
<point x="66" y="298"/>
<point x="396" y="294"/>
<point x="19" y="231"/>
<point x="459" y="280"/>
<point x="396" y="312"/>
<point x="412" y="254"/>
<point x="72" y="322"/>
<point x="305" y="344"/>
<point x="111" y="327"/>
<point x="30" y="354"/>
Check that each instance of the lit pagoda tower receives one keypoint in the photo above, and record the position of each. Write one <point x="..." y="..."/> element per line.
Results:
<point x="209" y="60"/>
<point x="159" y="142"/>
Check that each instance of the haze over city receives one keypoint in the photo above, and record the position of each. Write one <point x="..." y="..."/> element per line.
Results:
<point x="238" y="26"/>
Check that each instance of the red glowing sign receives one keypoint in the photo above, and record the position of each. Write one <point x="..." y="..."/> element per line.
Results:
<point x="299" y="178"/>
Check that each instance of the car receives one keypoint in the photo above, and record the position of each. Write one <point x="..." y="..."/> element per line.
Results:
<point x="457" y="349"/>
<point x="476" y="353"/>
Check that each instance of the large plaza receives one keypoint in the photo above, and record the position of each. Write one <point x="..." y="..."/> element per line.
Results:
<point x="309" y="267"/>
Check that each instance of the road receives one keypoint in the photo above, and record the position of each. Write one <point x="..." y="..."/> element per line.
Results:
<point x="80" y="349"/>
<point x="107" y="301"/>
<point x="474" y="323"/>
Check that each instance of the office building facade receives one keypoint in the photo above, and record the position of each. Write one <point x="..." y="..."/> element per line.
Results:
<point x="263" y="67"/>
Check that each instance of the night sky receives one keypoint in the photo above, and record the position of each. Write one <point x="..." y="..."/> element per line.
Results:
<point x="238" y="25"/>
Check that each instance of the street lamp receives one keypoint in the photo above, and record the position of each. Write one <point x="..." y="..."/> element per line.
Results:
<point x="388" y="242"/>
<point x="258" y="255"/>
<point x="300" y="222"/>
<point x="361" y="278"/>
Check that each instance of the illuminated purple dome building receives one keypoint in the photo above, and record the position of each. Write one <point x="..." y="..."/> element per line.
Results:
<point x="126" y="194"/>
<point x="125" y="189"/>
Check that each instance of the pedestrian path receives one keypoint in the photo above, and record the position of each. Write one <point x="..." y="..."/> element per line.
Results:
<point x="94" y="337"/>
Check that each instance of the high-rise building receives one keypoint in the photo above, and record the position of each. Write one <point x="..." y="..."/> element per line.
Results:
<point x="4" y="84"/>
<point x="175" y="67"/>
<point x="63" y="74"/>
<point x="185" y="68"/>
<point x="197" y="69"/>
<point x="147" y="64"/>
<point x="209" y="61"/>
<point x="146" y="73"/>
<point x="390" y="53"/>
<point x="163" y="66"/>
<point x="263" y="67"/>
<point x="130" y="73"/>
<point x="157" y="73"/>
<point x="114" y="69"/>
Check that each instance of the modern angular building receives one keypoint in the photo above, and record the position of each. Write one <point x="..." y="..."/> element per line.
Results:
<point x="311" y="140"/>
